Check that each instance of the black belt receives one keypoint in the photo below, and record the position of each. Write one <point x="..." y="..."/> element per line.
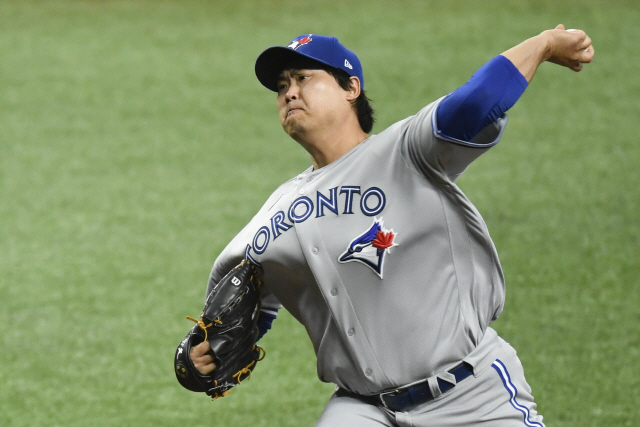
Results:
<point x="406" y="397"/>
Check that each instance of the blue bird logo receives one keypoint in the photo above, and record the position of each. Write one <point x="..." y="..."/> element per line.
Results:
<point x="370" y="247"/>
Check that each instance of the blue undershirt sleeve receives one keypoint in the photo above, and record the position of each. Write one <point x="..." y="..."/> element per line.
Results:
<point x="488" y="94"/>
<point x="265" y="319"/>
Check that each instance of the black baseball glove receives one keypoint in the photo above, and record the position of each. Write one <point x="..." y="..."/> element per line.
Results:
<point x="228" y="322"/>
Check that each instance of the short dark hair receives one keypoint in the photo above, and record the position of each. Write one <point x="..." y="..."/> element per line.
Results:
<point x="361" y="105"/>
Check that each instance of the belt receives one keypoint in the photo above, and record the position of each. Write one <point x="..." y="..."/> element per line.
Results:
<point x="405" y="397"/>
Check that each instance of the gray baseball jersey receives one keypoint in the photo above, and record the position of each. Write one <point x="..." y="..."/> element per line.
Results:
<point x="381" y="257"/>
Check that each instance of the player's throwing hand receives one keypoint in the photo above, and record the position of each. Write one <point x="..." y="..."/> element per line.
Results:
<point x="569" y="48"/>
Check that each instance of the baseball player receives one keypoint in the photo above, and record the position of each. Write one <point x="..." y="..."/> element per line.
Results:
<point x="378" y="253"/>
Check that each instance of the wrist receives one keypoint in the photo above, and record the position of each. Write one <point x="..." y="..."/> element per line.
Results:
<point x="545" y="40"/>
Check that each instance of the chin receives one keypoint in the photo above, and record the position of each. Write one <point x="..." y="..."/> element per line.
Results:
<point x="294" y="128"/>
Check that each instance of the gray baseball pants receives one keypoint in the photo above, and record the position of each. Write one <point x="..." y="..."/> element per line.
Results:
<point x="496" y="395"/>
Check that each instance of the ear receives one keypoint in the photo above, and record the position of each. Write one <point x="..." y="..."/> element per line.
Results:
<point x="354" y="89"/>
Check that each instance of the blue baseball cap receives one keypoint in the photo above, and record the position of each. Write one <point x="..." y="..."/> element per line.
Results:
<point x="326" y="50"/>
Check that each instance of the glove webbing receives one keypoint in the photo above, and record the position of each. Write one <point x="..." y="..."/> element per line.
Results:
<point x="203" y="326"/>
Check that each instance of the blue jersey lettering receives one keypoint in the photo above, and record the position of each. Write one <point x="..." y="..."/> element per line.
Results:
<point x="372" y="202"/>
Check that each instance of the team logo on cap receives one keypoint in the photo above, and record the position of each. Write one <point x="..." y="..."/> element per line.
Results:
<point x="300" y="41"/>
<point x="370" y="247"/>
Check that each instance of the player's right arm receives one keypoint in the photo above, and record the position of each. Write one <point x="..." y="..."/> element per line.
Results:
<point x="233" y="253"/>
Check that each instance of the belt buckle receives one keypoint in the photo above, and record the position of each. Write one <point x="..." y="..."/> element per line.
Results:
<point x="387" y="393"/>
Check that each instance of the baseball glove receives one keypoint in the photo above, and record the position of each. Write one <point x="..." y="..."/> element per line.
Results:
<point x="228" y="322"/>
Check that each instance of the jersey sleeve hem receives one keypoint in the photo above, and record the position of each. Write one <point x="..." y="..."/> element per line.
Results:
<point x="477" y="141"/>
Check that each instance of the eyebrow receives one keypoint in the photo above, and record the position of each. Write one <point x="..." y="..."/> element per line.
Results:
<point x="292" y="72"/>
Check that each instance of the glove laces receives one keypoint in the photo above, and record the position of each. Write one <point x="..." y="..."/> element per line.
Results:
<point x="203" y="326"/>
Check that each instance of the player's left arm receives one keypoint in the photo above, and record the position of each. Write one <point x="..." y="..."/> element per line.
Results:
<point x="569" y="48"/>
<point x="497" y="85"/>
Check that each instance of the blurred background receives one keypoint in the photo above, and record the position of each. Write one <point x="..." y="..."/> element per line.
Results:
<point x="135" y="142"/>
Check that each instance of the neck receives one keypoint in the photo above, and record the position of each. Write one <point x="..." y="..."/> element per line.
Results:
<point x="328" y="147"/>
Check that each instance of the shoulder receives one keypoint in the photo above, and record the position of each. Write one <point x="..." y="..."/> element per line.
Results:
<point x="422" y="119"/>
<point x="235" y="250"/>
<point x="418" y="127"/>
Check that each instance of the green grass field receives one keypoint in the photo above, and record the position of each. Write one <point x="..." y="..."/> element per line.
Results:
<point x="135" y="142"/>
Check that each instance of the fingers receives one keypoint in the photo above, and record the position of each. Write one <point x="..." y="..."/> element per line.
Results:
<point x="590" y="52"/>
<point x="584" y="50"/>
<point x="585" y="43"/>
<point x="201" y="349"/>
<point x="202" y="358"/>
<point x="571" y="48"/>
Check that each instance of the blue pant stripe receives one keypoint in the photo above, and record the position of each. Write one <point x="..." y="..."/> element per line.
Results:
<point x="513" y="393"/>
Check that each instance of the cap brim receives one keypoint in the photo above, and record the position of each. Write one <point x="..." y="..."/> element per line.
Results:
<point x="272" y="61"/>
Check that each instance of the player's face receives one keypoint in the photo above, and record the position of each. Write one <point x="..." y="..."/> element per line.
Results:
<point x="309" y="100"/>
